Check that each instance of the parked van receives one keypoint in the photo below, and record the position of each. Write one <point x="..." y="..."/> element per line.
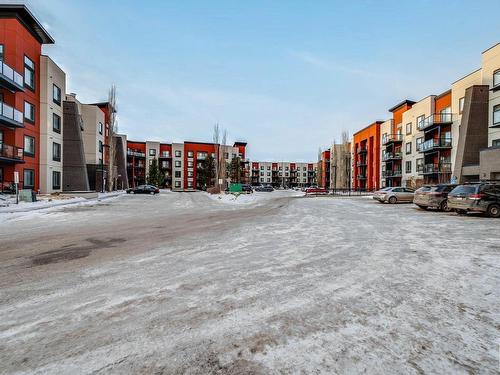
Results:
<point x="476" y="197"/>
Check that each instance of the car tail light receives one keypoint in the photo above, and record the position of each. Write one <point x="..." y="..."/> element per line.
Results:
<point x="476" y="196"/>
<point x="436" y="194"/>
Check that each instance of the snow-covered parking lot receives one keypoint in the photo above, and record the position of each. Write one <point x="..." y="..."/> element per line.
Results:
<point x="185" y="283"/>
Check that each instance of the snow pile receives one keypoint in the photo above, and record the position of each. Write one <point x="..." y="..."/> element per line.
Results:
<point x="233" y="198"/>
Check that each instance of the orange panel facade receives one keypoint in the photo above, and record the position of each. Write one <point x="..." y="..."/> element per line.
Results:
<point x="366" y="159"/>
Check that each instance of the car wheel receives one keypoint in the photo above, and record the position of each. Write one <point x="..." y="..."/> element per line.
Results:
<point x="422" y="207"/>
<point x="444" y="206"/>
<point x="493" y="210"/>
<point x="462" y="212"/>
<point x="393" y="200"/>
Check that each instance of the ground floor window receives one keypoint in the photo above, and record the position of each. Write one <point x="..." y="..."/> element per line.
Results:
<point x="29" y="178"/>
<point x="496" y="115"/>
<point x="56" y="180"/>
<point x="177" y="184"/>
<point x="408" y="166"/>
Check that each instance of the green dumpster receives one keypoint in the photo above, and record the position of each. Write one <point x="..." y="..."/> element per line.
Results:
<point x="235" y="188"/>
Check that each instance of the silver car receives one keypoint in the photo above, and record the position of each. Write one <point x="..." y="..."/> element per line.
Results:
<point x="394" y="195"/>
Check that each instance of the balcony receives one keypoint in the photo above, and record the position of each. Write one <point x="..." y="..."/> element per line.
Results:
<point x="435" y="120"/>
<point x="361" y="164"/>
<point x="392" y="174"/>
<point x="444" y="167"/>
<point x="361" y="177"/>
<point x="10" y="79"/>
<point x="434" y="145"/>
<point x="165" y="155"/>
<point x="11" y="154"/>
<point x="392" y="138"/>
<point x="389" y="156"/>
<point x="10" y="116"/>
<point x="362" y="150"/>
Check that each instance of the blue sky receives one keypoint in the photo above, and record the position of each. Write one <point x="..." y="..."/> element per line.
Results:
<point x="286" y="76"/>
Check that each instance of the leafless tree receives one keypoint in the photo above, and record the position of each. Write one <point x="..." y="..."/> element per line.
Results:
<point x="112" y="130"/>
<point x="222" y="162"/>
<point x="216" y="141"/>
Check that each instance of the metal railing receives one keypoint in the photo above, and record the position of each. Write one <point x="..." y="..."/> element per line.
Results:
<point x="392" y="155"/>
<point x="435" y="119"/>
<point x="361" y="177"/>
<point x="392" y="138"/>
<point x="434" y="143"/>
<point x="11" y="113"/>
<point x="11" y="152"/>
<point x="361" y="150"/>
<point x="11" y="74"/>
<point x="136" y="153"/>
<point x="437" y="168"/>
<point x="392" y="173"/>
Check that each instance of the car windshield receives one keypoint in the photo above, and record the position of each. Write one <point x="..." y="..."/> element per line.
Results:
<point x="386" y="189"/>
<point x="465" y="189"/>
<point x="424" y="189"/>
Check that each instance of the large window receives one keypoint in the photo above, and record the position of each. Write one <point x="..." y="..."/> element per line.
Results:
<point x="29" y="73"/>
<point x="408" y="128"/>
<point x="408" y="166"/>
<point x="420" y="119"/>
<point x="29" y="112"/>
<point x="496" y="115"/>
<point x="496" y="78"/>
<point x="461" y="102"/>
<point x="178" y="153"/>
<point x="56" y="123"/>
<point x="29" y="146"/>
<point x="56" y="180"/>
<point x="100" y="146"/>
<point x="408" y="148"/>
<point x="56" y="151"/>
<point x="28" y="178"/>
<point x="152" y="152"/>
<point x="56" y="94"/>
<point x="101" y="127"/>
<point x="495" y="143"/>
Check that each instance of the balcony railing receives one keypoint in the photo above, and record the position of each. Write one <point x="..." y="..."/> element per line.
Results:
<point x="392" y="156"/>
<point x="362" y="150"/>
<point x="11" y="153"/>
<point x="10" y="79"/>
<point x="392" y="173"/>
<point x="391" y="138"/>
<point x="136" y="153"/>
<point x="444" y="167"/>
<point x="361" y="164"/>
<point x="10" y="116"/>
<point x="361" y="177"/>
<point x="434" y="144"/>
<point x="435" y="119"/>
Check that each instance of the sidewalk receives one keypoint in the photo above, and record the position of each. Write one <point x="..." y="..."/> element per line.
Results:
<point x="55" y="201"/>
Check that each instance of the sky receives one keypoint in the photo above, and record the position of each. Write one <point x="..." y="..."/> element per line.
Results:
<point x="285" y="76"/>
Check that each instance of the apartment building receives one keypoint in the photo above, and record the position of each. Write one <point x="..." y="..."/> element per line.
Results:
<point x="283" y="174"/>
<point x="366" y="157"/>
<point x="53" y="88"/>
<point x="21" y="40"/>
<point x="340" y="166"/>
<point x="324" y="169"/>
<point x="179" y="162"/>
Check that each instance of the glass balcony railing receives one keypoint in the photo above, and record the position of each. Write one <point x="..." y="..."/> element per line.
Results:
<point x="136" y="153"/>
<point x="14" y="78"/>
<point x="12" y="115"/>
<point x="435" y="119"/>
<point x="392" y="156"/>
<point x="433" y="144"/>
<point x="392" y="138"/>
<point x="392" y="173"/>
<point x="444" y="167"/>
<point x="11" y="152"/>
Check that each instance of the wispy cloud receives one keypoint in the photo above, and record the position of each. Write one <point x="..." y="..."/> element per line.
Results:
<point x="320" y="62"/>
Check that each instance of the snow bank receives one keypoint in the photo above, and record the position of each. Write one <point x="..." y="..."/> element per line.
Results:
<point x="255" y="197"/>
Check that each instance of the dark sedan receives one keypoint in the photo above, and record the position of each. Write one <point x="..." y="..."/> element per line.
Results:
<point x="144" y="189"/>
<point x="267" y="188"/>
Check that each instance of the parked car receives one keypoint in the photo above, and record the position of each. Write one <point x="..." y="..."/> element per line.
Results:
<point x="267" y="188"/>
<point x="433" y="196"/>
<point x="394" y="195"/>
<point x="316" y="190"/>
<point x="144" y="189"/>
<point x="481" y="197"/>
<point x="246" y="188"/>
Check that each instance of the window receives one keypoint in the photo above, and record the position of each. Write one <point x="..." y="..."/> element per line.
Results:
<point x="29" y="73"/>
<point x="190" y="164"/>
<point x="190" y="184"/>
<point x="165" y="154"/>
<point x="461" y="102"/>
<point x="496" y="115"/>
<point x="56" y="123"/>
<point x="495" y="143"/>
<point x="100" y="146"/>
<point x="496" y="77"/>
<point x="408" y="166"/>
<point x="190" y="154"/>
<point x="408" y="128"/>
<point x="419" y="141"/>
<point x="56" y="151"/>
<point x="420" y="120"/>
<point x="190" y="173"/>
<point x="56" y="94"/>
<point x="178" y="153"/>
<point x="152" y="152"/>
<point x="56" y="180"/>
<point x="1" y="54"/>
<point x="226" y="155"/>
<point x="261" y="167"/>
<point x="177" y="184"/>
<point x="100" y="128"/>
<point x="408" y="148"/>
<point x="177" y="163"/>
<point x="29" y="112"/>
<point x="262" y="173"/>
<point x="420" y="165"/>
<point x="29" y="178"/>
<point x="29" y="146"/>
<point x="268" y="180"/>
<point x="268" y="173"/>
<point x="177" y="174"/>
